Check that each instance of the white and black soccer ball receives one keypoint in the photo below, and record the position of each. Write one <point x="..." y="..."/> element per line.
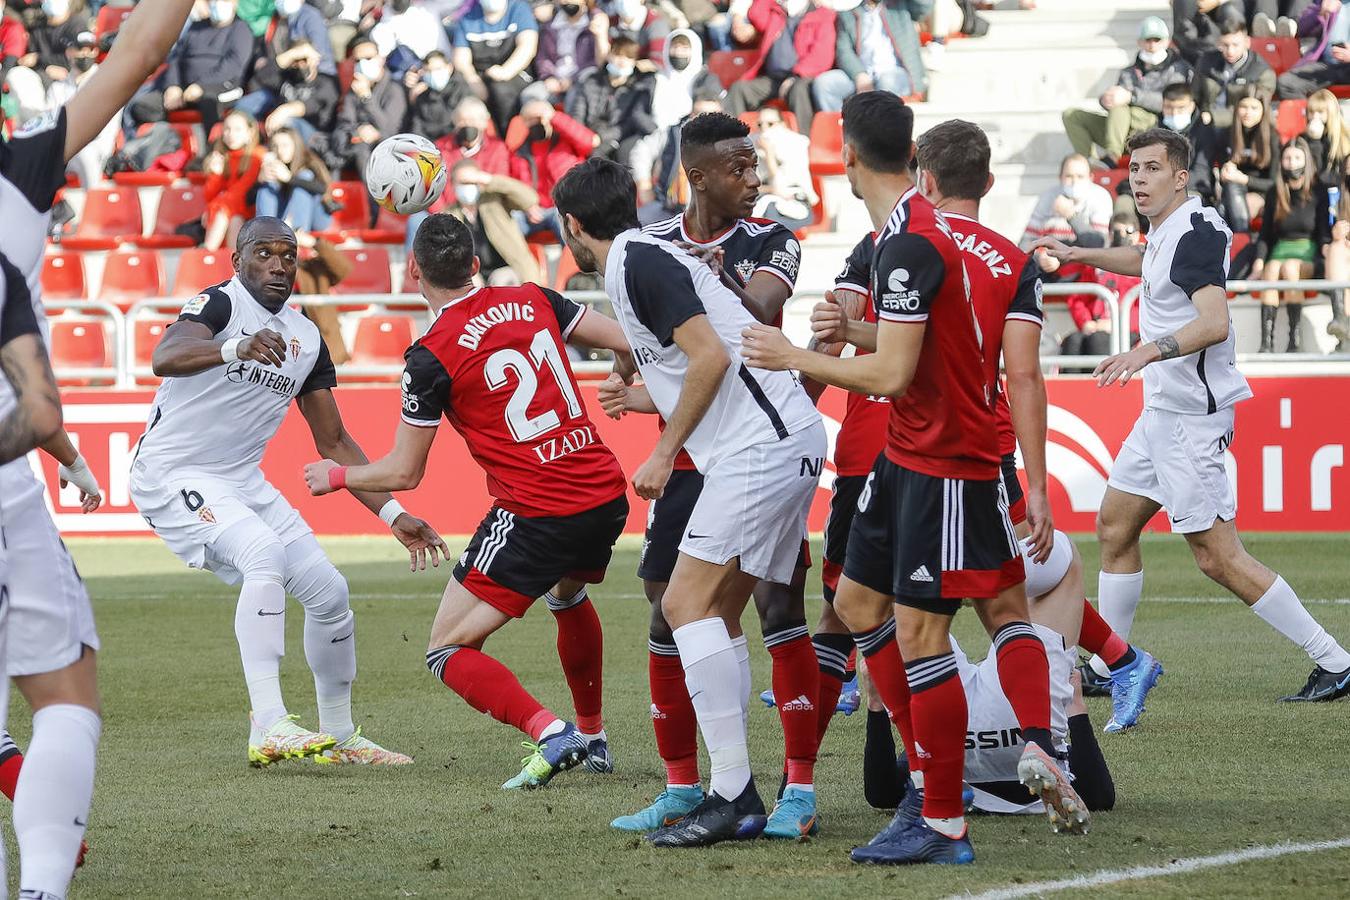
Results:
<point x="405" y="173"/>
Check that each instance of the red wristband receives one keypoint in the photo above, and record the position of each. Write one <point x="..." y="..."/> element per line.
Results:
<point x="337" y="477"/>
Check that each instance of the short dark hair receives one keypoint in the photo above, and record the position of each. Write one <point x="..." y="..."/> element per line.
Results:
<point x="624" y="45"/>
<point x="434" y="54"/>
<point x="443" y="249"/>
<point x="601" y="195"/>
<point x="956" y="153"/>
<point x="1177" y="147"/>
<point x="1232" y="24"/>
<point x="880" y="128"/>
<point x="705" y="130"/>
<point x="1179" y="91"/>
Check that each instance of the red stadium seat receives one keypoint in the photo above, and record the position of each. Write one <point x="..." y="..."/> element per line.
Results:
<point x="827" y="142"/>
<point x="110" y="18"/>
<point x="63" y="277"/>
<point x="200" y="268"/>
<point x="111" y="216"/>
<point x="751" y="118"/>
<point x="185" y="117"/>
<point x="354" y="215"/>
<point x="381" y="341"/>
<point x="1110" y="179"/>
<point x="1281" y="52"/>
<point x="177" y="206"/>
<point x="1340" y="91"/>
<point x="145" y="337"/>
<point x="369" y="274"/>
<point x="131" y="275"/>
<point x="1291" y="119"/>
<point x="390" y="228"/>
<point x="80" y="343"/>
<point x="730" y="65"/>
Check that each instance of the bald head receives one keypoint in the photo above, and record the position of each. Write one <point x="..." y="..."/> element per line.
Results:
<point x="263" y="228"/>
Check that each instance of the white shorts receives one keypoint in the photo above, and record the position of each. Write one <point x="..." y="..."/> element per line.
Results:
<point x="754" y="505"/>
<point x="1042" y="578"/>
<point x="50" y="619"/>
<point x="190" y="509"/>
<point x="1177" y="461"/>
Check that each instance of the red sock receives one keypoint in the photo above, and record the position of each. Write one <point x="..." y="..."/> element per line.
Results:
<point x="492" y="688"/>
<point x="1024" y="673"/>
<point x="796" y="685"/>
<point x="673" y="719"/>
<point x="581" y="648"/>
<point x="1097" y="637"/>
<point x="9" y="773"/>
<point x="887" y="672"/>
<point x="830" y="689"/>
<point x="938" y="710"/>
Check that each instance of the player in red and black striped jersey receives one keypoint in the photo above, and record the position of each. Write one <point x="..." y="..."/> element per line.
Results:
<point x="932" y="526"/>
<point x="758" y="261"/>
<point x="493" y="365"/>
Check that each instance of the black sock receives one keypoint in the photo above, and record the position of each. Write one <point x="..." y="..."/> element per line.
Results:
<point x="1091" y="777"/>
<point x="1125" y="661"/>
<point x="883" y="782"/>
<point x="1041" y="738"/>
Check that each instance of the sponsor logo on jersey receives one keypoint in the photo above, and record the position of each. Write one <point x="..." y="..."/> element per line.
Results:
<point x="235" y="372"/>
<point x="262" y="376"/>
<point x="558" y="447"/>
<point x="898" y="296"/>
<point x="993" y="740"/>
<point x="410" y="402"/>
<point x="194" y="306"/>
<point x="500" y="314"/>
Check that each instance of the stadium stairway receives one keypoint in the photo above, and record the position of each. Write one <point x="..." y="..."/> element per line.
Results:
<point x="1015" y="82"/>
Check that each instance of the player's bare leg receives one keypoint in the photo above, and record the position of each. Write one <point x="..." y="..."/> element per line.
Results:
<point x="699" y="595"/>
<point x="1220" y="555"/>
<point x="581" y="650"/>
<point x="56" y="784"/>
<point x="454" y="655"/>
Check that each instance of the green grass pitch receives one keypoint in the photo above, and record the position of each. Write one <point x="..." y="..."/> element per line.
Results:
<point x="1216" y="766"/>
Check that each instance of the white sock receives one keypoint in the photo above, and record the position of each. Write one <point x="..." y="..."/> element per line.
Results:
<point x="714" y="681"/>
<point x="330" y="650"/>
<point x="952" y="828"/>
<point x="1280" y="607"/>
<point x="260" y="628"/>
<point x="598" y="736"/>
<point x="806" y="788"/>
<point x="51" y="800"/>
<point x="1117" y="599"/>
<point x="741" y="646"/>
<point x="552" y="728"/>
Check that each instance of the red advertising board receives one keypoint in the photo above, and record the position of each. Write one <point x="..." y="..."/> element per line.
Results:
<point x="1288" y="458"/>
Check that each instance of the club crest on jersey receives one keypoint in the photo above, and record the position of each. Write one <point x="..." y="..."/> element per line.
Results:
<point x="899" y="297"/>
<point x="206" y="515"/>
<point x="745" y="269"/>
<point x="295" y="349"/>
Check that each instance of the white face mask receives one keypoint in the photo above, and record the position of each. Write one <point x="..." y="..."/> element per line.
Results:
<point x="289" y="8"/>
<point x="632" y="9"/>
<point x="1073" y="190"/>
<point x="370" y="69"/>
<point x="796" y="7"/>
<point x="492" y="7"/>
<point x="55" y="9"/>
<point x="467" y="194"/>
<point x="221" y="11"/>
<point x="437" y="79"/>
<point x="619" y="69"/>
<point x="1316" y="128"/>
<point x="1176" y="122"/>
<point x="1154" y="58"/>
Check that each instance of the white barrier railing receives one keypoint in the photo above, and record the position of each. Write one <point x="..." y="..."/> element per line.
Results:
<point x="113" y="373"/>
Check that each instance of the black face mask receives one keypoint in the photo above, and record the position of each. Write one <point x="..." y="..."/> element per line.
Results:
<point x="400" y="6"/>
<point x="82" y="63"/>
<point x="1294" y="174"/>
<point x="680" y="63"/>
<point x="466" y="135"/>
<point x="570" y="9"/>
<point x="538" y="132"/>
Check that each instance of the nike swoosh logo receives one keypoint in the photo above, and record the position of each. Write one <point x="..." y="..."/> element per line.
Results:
<point x="263" y="612"/>
<point x="1343" y="682"/>
<point x="343" y="638"/>
<point x="78" y="823"/>
<point x="668" y="821"/>
<point x="696" y="537"/>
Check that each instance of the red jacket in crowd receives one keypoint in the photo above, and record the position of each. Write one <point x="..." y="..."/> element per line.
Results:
<point x="570" y="143"/>
<point x="814" y="40"/>
<point x="492" y="157"/>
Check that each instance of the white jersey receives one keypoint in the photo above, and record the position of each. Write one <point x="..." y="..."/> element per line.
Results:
<point x="655" y="288"/>
<point x="1187" y="252"/>
<point x="993" y="740"/>
<point x="220" y="420"/>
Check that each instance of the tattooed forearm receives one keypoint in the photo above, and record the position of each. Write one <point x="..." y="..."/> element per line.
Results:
<point x="37" y="411"/>
<point x="1168" y="347"/>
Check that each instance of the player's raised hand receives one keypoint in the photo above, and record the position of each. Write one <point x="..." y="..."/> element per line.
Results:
<point x="765" y="347"/>
<point x="712" y="257"/>
<point x="613" y="395"/>
<point x="829" y="320"/>
<point x="265" y="346"/>
<point x="1042" y="524"/>
<point x="649" y="481"/>
<point x="318" y="479"/>
<point x="421" y="540"/>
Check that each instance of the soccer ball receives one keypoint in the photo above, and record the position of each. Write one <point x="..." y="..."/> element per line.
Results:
<point x="405" y="174"/>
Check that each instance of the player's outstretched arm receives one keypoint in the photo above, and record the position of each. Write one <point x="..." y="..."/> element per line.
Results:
<point x="190" y="347"/>
<point x="1121" y="260"/>
<point x="36" y="416"/>
<point x="142" y="43"/>
<point x="708" y="364"/>
<point x="399" y="470"/>
<point x="885" y="373"/>
<point x="1027" y="402"/>
<point x="595" y="329"/>
<point x="1209" y="327"/>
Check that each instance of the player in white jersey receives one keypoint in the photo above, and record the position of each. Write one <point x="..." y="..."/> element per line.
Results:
<point x="232" y="364"/>
<point x="755" y="436"/>
<point x="1174" y="457"/>
<point x="51" y="629"/>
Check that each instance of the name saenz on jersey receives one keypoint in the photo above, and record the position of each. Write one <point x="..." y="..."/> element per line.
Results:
<point x="242" y="373"/>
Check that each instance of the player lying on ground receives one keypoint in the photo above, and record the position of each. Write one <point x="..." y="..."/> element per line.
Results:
<point x="494" y="365"/>
<point x="932" y="526"/>
<point x="51" y="624"/>
<point x="993" y="738"/>
<point x="757" y="260"/>
<point x="1173" y="458"/>
<point x="756" y="438"/>
<point x="232" y="364"/>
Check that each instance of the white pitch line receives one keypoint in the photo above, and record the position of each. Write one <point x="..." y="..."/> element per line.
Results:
<point x="602" y="595"/>
<point x="1175" y="867"/>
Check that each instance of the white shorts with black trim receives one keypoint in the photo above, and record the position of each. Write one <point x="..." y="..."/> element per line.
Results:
<point x="1177" y="461"/>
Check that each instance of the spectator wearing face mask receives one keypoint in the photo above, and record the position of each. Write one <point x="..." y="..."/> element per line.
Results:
<point x="207" y="67"/>
<point x="1075" y="211"/>
<point x="1295" y="230"/>
<point x="1198" y="24"/>
<point x="485" y="202"/>
<point x="1248" y="162"/>
<point x="295" y="20"/>
<point x="551" y="143"/>
<point x="643" y="22"/>
<point x="876" y="47"/>
<point x="404" y="23"/>
<point x="797" y="43"/>
<point x="81" y="63"/>
<point x="291" y="90"/>
<point x="435" y="90"/>
<point x="1324" y="28"/>
<point x="681" y="78"/>
<point x="1230" y="69"/>
<point x="62" y="21"/>
<point x="373" y="109"/>
<point x="494" y="46"/>
<point x="1133" y="103"/>
<point x="572" y="38"/>
<point x="1328" y="136"/>
<point x="615" y="102"/>
<point x="1180" y="114"/>
<point x="785" y="193"/>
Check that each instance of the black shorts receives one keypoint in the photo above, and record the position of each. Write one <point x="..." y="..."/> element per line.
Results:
<point x="513" y="560"/>
<point x="843" y="507"/>
<point x="666" y="521"/>
<point x="1017" y="500"/>
<point x="931" y="542"/>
